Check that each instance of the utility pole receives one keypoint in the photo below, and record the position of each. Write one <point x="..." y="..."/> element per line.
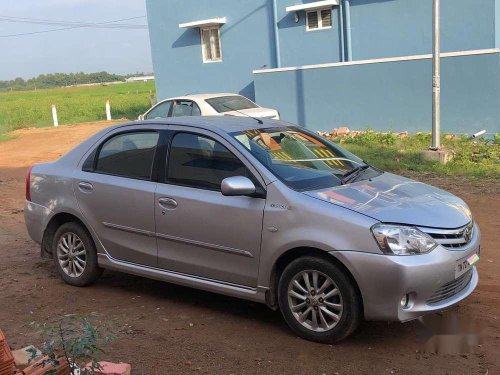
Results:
<point x="436" y="79"/>
<point x="435" y="153"/>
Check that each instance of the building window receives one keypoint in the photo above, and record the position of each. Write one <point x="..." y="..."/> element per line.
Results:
<point x="210" y="44"/>
<point x="319" y="19"/>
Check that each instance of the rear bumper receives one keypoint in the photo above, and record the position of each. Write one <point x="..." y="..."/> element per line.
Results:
<point x="384" y="280"/>
<point x="36" y="218"/>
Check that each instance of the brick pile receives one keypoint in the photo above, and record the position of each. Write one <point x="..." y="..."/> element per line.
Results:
<point x="38" y="369"/>
<point x="7" y="365"/>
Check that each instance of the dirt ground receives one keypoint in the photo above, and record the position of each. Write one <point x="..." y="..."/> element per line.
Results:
<point x="167" y="329"/>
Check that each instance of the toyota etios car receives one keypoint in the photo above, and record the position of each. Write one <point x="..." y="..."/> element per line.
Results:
<point x="256" y="209"/>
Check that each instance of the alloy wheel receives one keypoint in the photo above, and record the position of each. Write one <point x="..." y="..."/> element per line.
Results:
<point x="71" y="254"/>
<point x="315" y="300"/>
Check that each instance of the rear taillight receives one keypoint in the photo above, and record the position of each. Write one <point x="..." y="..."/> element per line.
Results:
<point x="28" y="184"/>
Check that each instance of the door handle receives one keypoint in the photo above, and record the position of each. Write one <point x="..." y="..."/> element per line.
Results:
<point x="85" y="187"/>
<point x="168" y="203"/>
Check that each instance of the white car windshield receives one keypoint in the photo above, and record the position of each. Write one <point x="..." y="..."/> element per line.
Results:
<point x="231" y="103"/>
<point x="301" y="159"/>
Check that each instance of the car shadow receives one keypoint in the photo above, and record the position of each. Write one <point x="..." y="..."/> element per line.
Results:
<point x="366" y="334"/>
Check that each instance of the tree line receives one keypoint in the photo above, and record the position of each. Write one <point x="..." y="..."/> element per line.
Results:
<point x="47" y="81"/>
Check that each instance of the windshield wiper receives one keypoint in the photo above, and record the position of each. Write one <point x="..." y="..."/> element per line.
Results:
<point x="353" y="174"/>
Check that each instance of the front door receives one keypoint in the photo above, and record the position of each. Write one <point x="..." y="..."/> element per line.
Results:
<point x="201" y="232"/>
<point x="115" y="193"/>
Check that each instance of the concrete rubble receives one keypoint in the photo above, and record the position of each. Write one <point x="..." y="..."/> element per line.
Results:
<point x="23" y="357"/>
<point x="108" y="368"/>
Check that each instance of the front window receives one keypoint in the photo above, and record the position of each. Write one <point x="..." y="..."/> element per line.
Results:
<point x="300" y="159"/>
<point x="160" y="111"/>
<point x="231" y="103"/>
<point x="201" y="162"/>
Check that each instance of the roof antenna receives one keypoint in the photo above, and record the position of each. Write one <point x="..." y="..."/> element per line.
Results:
<point x="243" y="113"/>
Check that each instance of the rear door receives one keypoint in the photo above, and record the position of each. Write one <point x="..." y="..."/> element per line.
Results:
<point x="115" y="192"/>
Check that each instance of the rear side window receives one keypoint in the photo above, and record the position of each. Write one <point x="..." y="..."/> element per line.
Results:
<point x="128" y="155"/>
<point x="201" y="162"/>
<point x="185" y="108"/>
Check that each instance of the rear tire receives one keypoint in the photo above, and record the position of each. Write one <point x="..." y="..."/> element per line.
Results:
<point x="75" y="255"/>
<point x="319" y="300"/>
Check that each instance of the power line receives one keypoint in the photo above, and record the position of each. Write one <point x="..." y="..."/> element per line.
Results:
<point x="40" y="21"/>
<point x="76" y="26"/>
<point x="52" y="20"/>
<point x="92" y="25"/>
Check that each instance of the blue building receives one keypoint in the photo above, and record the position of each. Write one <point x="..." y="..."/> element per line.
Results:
<point x="330" y="63"/>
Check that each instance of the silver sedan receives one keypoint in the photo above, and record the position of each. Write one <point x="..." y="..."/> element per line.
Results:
<point x="256" y="209"/>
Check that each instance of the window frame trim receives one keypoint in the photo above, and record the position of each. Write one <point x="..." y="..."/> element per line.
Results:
<point x="320" y="19"/>
<point x="94" y="155"/>
<point x="204" y="58"/>
<point x="257" y="179"/>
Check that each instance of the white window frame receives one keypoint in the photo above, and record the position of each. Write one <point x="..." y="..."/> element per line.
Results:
<point x="203" y="55"/>
<point x="320" y="19"/>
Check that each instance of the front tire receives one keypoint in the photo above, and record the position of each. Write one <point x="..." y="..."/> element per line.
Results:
<point x="75" y="255"/>
<point x="319" y="300"/>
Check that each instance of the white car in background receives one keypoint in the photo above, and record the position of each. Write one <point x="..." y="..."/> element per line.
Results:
<point x="209" y="105"/>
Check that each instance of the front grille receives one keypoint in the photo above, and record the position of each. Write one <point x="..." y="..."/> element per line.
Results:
<point x="448" y="290"/>
<point x="452" y="238"/>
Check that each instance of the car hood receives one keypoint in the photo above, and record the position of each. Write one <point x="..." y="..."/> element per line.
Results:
<point x="395" y="199"/>
<point x="255" y="112"/>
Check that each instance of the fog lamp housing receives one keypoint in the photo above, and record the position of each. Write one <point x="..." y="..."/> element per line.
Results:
<point x="404" y="301"/>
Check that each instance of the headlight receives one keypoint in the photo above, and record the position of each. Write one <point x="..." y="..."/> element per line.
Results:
<point x="402" y="240"/>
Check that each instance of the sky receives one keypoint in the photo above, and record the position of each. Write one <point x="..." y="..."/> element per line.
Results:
<point x="75" y="50"/>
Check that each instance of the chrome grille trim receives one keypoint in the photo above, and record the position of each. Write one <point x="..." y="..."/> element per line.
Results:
<point x="452" y="238"/>
<point x="451" y="288"/>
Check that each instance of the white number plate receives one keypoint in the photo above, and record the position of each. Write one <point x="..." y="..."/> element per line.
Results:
<point x="465" y="264"/>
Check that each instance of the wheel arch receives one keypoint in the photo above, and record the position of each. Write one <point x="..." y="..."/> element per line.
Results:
<point x="298" y="252"/>
<point x="54" y="223"/>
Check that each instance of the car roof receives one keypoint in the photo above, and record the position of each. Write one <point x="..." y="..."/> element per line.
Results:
<point x="202" y="96"/>
<point x="219" y="124"/>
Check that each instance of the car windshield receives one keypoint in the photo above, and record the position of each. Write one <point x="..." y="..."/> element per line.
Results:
<point x="299" y="158"/>
<point x="231" y="103"/>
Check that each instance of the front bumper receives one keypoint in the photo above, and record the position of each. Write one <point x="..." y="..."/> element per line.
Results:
<point x="384" y="280"/>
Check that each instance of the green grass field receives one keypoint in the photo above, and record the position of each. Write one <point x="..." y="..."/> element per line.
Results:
<point x="24" y="109"/>
<point x="479" y="158"/>
<point x="128" y="100"/>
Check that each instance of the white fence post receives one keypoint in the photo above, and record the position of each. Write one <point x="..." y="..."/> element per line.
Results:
<point x="54" y="115"/>
<point x="108" y="110"/>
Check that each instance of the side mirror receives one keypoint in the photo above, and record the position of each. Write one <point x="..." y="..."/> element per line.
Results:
<point x="140" y="118"/>
<point x="236" y="186"/>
